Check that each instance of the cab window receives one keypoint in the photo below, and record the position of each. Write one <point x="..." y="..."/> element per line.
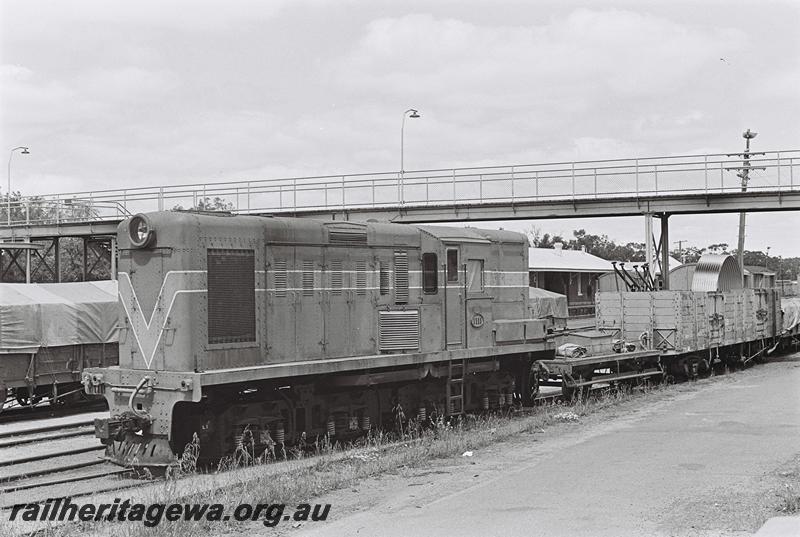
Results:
<point x="475" y="275"/>
<point x="430" y="283"/>
<point x="452" y="265"/>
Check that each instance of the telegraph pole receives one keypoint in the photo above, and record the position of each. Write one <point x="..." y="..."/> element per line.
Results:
<point x="743" y="173"/>
<point x="680" y="250"/>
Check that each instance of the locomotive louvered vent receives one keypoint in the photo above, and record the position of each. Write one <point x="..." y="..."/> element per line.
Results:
<point x="398" y="330"/>
<point x="336" y="277"/>
<point x="281" y="278"/>
<point x="384" y="278"/>
<point x="308" y="278"/>
<point x="401" y="277"/>
<point x="231" y="296"/>
<point x="361" y="277"/>
<point x="349" y="236"/>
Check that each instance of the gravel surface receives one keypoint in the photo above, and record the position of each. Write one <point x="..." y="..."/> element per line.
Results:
<point x="702" y="459"/>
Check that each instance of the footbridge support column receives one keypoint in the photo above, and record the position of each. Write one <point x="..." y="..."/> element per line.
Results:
<point x="665" y="251"/>
<point x="657" y="255"/>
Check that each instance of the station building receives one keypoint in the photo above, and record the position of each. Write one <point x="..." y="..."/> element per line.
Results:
<point x="572" y="273"/>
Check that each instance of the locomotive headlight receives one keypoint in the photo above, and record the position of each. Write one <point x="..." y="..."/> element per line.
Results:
<point x="141" y="231"/>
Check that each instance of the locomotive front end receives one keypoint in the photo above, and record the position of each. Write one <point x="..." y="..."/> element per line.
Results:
<point x="160" y="284"/>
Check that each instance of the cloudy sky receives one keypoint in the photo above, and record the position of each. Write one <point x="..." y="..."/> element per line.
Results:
<point x="119" y="93"/>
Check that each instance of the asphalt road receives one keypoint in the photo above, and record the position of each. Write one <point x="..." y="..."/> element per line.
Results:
<point x="671" y="465"/>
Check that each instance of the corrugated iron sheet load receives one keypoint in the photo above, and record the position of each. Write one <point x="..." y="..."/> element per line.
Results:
<point x="716" y="273"/>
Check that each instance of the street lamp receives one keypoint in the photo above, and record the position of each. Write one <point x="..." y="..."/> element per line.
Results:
<point x="24" y="151"/>
<point x="766" y="261"/>
<point x="412" y="114"/>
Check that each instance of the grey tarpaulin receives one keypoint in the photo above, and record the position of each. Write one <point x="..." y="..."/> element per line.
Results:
<point x="56" y="314"/>
<point x="543" y="303"/>
<point x="791" y="313"/>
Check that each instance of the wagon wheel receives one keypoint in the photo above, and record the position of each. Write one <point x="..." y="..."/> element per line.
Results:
<point x="25" y="399"/>
<point x="533" y="384"/>
<point x="696" y="367"/>
<point x="573" y="393"/>
<point x="567" y="392"/>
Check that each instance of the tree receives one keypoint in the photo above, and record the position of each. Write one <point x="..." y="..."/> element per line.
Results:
<point x="210" y="205"/>
<point x="538" y="240"/>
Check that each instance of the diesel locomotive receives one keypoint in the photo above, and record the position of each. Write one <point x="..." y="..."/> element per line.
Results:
<point x="283" y="330"/>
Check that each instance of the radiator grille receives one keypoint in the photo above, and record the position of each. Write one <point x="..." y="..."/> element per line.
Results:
<point x="398" y="330"/>
<point x="347" y="237"/>
<point x="336" y="277"/>
<point x="401" y="277"/>
<point x="231" y="296"/>
<point x="308" y="278"/>
<point x="281" y="278"/>
<point x="384" y="279"/>
<point x="361" y="278"/>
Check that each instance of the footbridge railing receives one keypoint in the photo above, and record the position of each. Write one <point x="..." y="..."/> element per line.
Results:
<point x="770" y="171"/>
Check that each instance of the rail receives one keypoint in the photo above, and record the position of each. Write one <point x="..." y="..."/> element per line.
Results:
<point x="770" y="171"/>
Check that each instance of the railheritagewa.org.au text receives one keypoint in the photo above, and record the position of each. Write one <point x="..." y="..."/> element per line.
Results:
<point x="64" y="510"/>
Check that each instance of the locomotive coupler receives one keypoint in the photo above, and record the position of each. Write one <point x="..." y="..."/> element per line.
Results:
<point x="115" y="428"/>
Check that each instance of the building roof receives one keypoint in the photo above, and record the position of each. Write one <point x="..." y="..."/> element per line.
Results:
<point x="755" y="269"/>
<point x="553" y="260"/>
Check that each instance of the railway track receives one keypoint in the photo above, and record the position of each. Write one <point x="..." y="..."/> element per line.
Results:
<point x="43" y="411"/>
<point x="54" y="460"/>
<point x="70" y="465"/>
<point x="55" y="463"/>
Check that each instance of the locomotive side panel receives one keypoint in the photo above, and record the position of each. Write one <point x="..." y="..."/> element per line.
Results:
<point x="429" y="278"/>
<point x="509" y="281"/>
<point x="281" y="306"/>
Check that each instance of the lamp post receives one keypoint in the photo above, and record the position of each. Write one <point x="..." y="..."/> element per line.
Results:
<point x="412" y="113"/>
<point x="24" y="150"/>
<point x="766" y="261"/>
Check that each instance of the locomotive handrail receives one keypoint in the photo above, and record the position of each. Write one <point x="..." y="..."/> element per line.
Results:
<point x="713" y="173"/>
